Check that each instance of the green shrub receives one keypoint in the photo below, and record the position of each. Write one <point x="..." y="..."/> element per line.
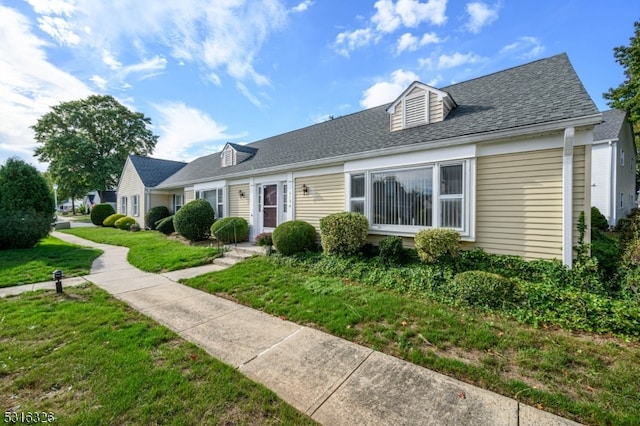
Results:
<point x="110" y="221"/>
<point x="193" y="221"/>
<point x="629" y="228"/>
<point x="154" y="215"/>
<point x="165" y="225"/>
<point x="598" y="221"/>
<point x="391" y="251"/>
<point x="24" y="189"/>
<point x="435" y="245"/>
<point x="607" y="251"/>
<point x="134" y="227"/>
<point x="293" y="237"/>
<point x="482" y="289"/>
<point x="100" y="212"/>
<point x="230" y="230"/>
<point x="21" y="230"/>
<point x="125" y="222"/>
<point x="343" y="233"/>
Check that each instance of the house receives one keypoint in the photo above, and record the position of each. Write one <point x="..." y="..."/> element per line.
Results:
<point x="613" y="166"/>
<point x="93" y="198"/>
<point x="504" y="159"/>
<point x="137" y="191"/>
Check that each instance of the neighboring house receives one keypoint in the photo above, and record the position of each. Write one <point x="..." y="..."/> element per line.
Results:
<point x="93" y="198"/>
<point x="136" y="189"/>
<point x="504" y="159"/>
<point x="613" y="166"/>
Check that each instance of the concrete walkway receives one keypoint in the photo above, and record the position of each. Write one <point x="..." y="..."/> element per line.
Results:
<point x="334" y="381"/>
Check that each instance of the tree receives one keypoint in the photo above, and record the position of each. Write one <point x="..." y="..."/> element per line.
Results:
<point x="627" y="95"/>
<point x="26" y="205"/>
<point x="87" y="142"/>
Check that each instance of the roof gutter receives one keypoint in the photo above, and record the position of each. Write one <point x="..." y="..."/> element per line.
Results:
<point x="492" y="136"/>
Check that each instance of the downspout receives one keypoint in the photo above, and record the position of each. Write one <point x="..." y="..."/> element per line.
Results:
<point x="567" y="197"/>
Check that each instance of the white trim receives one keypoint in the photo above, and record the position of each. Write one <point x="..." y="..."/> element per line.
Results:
<point x="548" y="141"/>
<point x="412" y="158"/>
<point x="567" y="197"/>
<point x="207" y="186"/>
<point x="318" y="172"/>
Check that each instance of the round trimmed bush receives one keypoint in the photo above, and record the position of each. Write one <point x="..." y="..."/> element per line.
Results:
<point x="166" y="225"/>
<point x="230" y="230"/>
<point x="100" y="212"/>
<point x="124" y="223"/>
<point x="193" y="221"/>
<point x="598" y="221"/>
<point x="110" y="221"/>
<point x="343" y="233"/>
<point x="154" y="215"/>
<point x="482" y="289"/>
<point x="435" y="245"/>
<point x="295" y="236"/>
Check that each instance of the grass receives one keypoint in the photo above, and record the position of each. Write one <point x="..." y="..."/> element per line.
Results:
<point x="149" y="250"/>
<point x="27" y="266"/>
<point x="588" y="378"/>
<point x="88" y="359"/>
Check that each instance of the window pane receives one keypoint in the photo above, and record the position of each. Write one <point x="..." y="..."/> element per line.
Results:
<point x="402" y="197"/>
<point x="451" y="213"/>
<point x="357" y="206"/>
<point x="451" y="179"/>
<point x="357" y="186"/>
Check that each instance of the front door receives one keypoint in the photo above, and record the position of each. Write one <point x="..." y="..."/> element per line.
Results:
<point x="269" y="215"/>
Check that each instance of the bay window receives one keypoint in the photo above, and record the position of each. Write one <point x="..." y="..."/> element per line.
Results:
<point x="404" y="200"/>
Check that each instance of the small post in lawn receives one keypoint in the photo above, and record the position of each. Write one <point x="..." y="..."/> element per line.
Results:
<point x="57" y="276"/>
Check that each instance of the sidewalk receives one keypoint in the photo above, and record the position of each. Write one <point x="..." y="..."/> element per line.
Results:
<point x="334" y="381"/>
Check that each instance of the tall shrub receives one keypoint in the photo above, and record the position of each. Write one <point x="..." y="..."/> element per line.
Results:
<point x="26" y="205"/>
<point x="100" y="212"/>
<point x="193" y="221"/>
<point x="154" y="215"/>
<point x="343" y="233"/>
<point x="295" y="236"/>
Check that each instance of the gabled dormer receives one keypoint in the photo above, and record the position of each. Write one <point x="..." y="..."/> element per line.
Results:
<point x="233" y="154"/>
<point x="418" y="105"/>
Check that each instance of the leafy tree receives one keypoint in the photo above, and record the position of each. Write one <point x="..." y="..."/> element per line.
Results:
<point x="87" y="141"/>
<point x="627" y="95"/>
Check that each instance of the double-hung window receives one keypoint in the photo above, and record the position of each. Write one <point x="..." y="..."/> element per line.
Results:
<point x="215" y="197"/>
<point x="404" y="200"/>
<point x="123" y="205"/>
<point x="177" y="202"/>
<point x="135" y="205"/>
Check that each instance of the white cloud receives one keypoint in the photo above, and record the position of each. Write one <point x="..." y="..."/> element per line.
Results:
<point x="480" y="15"/>
<point x="525" y="47"/>
<point x="306" y="4"/>
<point x="29" y="85"/>
<point x="457" y="59"/>
<point x="100" y="82"/>
<point x="409" y="42"/>
<point x="110" y="61"/>
<point x="222" y="35"/>
<point x="183" y="128"/>
<point x="386" y="91"/>
<point x="348" y="41"/>
<point x="408" y="13"/>
<point x="247" y="94"/>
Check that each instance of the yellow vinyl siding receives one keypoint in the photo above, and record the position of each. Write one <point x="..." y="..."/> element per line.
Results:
<point x="580" y="203"/>
<point x="519" y="204"/>
<point x="325" y="196"/>
<point x="239" y="207"/>
<point x="189" y="195"/>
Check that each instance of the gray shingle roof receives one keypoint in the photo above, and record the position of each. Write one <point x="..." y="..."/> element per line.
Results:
<point x="152" y="171"/>
<point x="242" y="148"/>
<point x="535" y="93"/>
<point x="610" y="127"/>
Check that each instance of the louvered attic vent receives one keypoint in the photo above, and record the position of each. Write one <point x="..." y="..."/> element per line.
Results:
<point x="233" y="154"/>
<point x="418" y="105"/>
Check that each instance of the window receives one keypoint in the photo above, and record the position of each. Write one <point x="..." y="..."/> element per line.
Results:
<point x="621" y="200"/>
<point x="215" y="198"/>
<point x="622" y="158"/>
<point x="135" y="208"/>
<point x="405" y="200"/>
<point x="285" y="199"/>
<point x="123" y="205"/>
<point x="177" y="202"/>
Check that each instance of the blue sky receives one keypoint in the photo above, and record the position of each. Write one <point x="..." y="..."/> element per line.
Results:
<point x="209" y="72"/>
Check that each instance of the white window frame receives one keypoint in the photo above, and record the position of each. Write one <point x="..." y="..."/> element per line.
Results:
<point x="621" y="157"/>
<point x="123" y="205"/>
<point x="220" y="197"/>
<point x="466" y="230"/>
<point x="135" y="205"/>
<point x="177" y="205"/>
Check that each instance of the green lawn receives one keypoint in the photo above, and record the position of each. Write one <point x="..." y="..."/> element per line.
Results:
<point x="86" y="358"/>
<point x="27" y="266"/>
<point x="592" y="379"/>
<point x="149" y="250"/>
